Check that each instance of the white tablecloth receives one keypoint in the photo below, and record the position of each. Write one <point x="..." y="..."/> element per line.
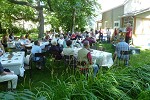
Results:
<point x="99" y="57"/>
<point x="16" y="63"/>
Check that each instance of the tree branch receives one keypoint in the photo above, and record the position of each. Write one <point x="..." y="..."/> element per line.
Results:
<point x="49" y="4"/>
<point x="22" y="3"/>
<point x="21" y="18"/>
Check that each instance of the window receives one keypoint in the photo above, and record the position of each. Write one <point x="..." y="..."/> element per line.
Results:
<point x="127" y="20"/>
<point x="106" y="24"/>
<point x="116" y="24"/>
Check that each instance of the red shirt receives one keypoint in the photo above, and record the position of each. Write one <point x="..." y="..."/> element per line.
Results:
<point x="73" y="36"/>
<point x="129" y="32"/>
<point x="89" y="57"/>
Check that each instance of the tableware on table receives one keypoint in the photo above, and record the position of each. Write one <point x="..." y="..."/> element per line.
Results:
<point x="9" y="61"/>
<point x="16" y="59"/>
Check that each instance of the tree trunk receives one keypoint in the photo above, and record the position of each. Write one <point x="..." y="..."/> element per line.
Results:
<point x="39" y="8"/>
<point x="73" y="20"/>
<point x="41" y="21"/>
<point x="0" y="28"/>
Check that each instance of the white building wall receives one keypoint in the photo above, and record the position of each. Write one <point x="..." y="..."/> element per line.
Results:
<point x="136" y="5"/>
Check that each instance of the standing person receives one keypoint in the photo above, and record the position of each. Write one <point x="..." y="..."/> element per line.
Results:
<point x="128" y="33"/>
<point x="115" y="32"/>
<point x="108" y="35"/>
<point x="84" y="56"/>
<point x="8" y="76"/>
<point x="100" y="35"/>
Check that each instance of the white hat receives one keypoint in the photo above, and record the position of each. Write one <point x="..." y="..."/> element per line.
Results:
<point x="54" y="42"/>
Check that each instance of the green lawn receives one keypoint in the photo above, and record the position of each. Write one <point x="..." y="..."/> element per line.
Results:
<point x="58" y="81"/>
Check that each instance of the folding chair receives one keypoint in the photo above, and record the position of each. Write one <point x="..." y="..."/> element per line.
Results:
<point x="28" y="49"/>
<point x="83" y="68"/>
<point x="56" y="58"/>
<point x="124" y="55"/>
<point x="56" y="55"/>
<point x="31" y="60"/>
<point x="6" y="82"/>
<point x="70" y="60"/>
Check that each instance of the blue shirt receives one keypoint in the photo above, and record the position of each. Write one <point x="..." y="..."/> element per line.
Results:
<point x="36" y="49"/>
<point x="122" y="46"/>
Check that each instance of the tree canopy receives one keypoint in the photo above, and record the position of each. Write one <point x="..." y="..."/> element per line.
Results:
<point x="69" y="14"/>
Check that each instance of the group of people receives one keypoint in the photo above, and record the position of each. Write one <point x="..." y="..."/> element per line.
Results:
<point x="124" y="45"/>
<point x="6" y="74"/>
<point x="63" y="44"/>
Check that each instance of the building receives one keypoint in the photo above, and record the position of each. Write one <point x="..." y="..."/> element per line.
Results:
<point x="136" y="12"/>
<point x="111" y="18"/>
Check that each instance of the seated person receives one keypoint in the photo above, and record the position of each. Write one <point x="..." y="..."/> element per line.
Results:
<point x="46" y="39"/>
<point x="61" y="40"/>
<point x="55" y="48"/>
<point x="84" y="56"/>
<point x="4" y="40"/>
<point x="2" y="50"/>
<point x="37" y="49"/>
<point x="20" y="44"/>
<point x="73" y="36"/>
<point x="8" y="76"/>
<point x="64" y="42"/>
<point x="78" y="36"/>
<point x="122" y="46"/>
<point x="11" y="37"/>
<point x="27" y="36"/>
<point x="23" y="40"/>
<point x="91" y="41"/>
<point x="20" y="47"/>
<point x="69" y="51"/>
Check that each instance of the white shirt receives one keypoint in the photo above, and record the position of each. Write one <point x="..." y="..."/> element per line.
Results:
<point x="23" y="42"/>
<point x="1" y="50"/>
<point x="60" y="42"/>
<point x="68" y="51"/>
<point x="108" y="33"/>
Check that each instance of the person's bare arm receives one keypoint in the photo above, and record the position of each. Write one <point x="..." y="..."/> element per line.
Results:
<point x="2" y="47"/>
<point x="6" y="73"/>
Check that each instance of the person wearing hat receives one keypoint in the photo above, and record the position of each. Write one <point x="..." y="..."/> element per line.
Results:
<point x="55" y="48"/>
<point x="91" y="41"/>
<point x="122" y="46"/>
